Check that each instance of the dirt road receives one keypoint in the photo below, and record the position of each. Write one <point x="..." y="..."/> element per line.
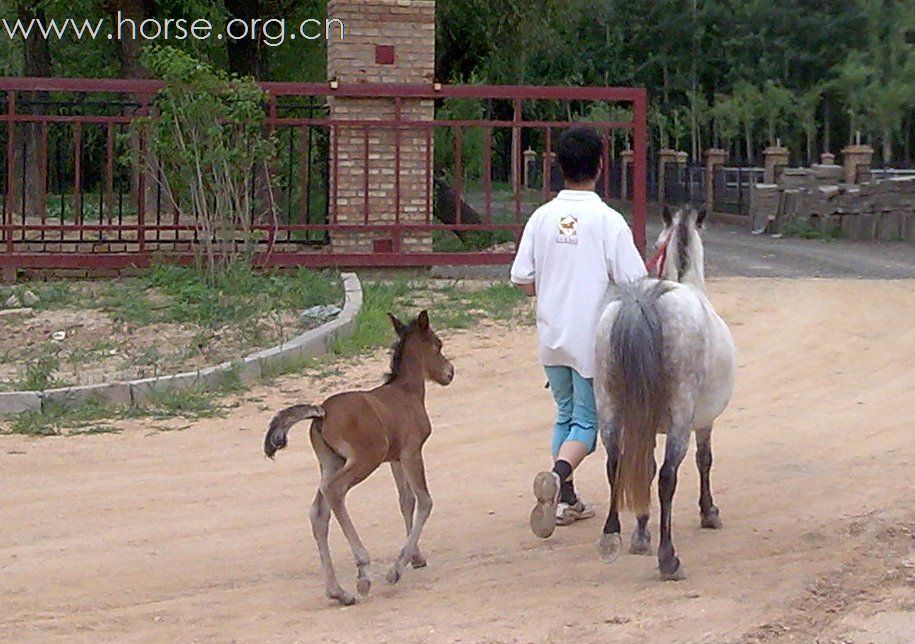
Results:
<point x="192" y="535"/>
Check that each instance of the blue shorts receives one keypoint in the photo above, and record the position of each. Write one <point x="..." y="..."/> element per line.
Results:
<point x="576" y="415"/>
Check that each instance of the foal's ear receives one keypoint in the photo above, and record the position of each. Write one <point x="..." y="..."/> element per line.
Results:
<point x="667" y="215"/>
<point x="399" y="326"/>
<point x="700" y="217"/>
<point x="422" y="321"/>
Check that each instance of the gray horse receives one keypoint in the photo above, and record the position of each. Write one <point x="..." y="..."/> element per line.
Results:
<point x="665" y="365"/>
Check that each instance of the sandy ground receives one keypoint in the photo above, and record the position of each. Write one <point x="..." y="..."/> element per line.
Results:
<point x="193" y="535"/>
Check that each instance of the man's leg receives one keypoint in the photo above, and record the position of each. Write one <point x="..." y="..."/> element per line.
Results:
<point x="547" y="484"/>
<point x="581" y="441"/>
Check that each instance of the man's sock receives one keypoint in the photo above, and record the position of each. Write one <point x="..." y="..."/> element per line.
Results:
<point x="567" y="492"/>
<point x="563" y="469"/>
<point x="566" y="489"/>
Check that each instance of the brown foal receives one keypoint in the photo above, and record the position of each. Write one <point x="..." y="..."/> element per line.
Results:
<point x="354" y="432"/>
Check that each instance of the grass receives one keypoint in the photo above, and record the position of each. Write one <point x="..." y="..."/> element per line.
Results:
<point x="807" y="229"/>
<point x="56" y="419"/>
<point x="251" y="303"/>
<point x="239" y="294"/>
<point x="450" y="308"/>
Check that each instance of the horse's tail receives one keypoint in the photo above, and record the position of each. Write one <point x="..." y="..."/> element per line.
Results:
<point x="639" y="388"/>
<point x="283" y="421"/>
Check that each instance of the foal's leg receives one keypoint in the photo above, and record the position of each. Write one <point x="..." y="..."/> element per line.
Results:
<point x="608" y="547"/>
<point x="708" y="512"/>
<point x="335" y="489"/>
<point x="641" y="536"/>
<point x="675" y="450"/>
<point x="320" y="521"/>
<point x="415" y="474"/>
<point x="407" y="506"/>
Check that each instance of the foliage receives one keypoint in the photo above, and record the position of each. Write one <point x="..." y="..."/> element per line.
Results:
<point x="209" y="146"/>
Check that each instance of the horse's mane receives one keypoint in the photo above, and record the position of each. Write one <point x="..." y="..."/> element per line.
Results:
<point x="397" y="354"/>
<point x="683" y="237"/>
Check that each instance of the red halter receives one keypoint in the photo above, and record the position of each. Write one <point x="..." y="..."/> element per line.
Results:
<point x="660" y="256"/>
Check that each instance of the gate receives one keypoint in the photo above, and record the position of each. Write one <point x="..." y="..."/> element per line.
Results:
<point x="684" y="184"/>
<point x="733" y="187"/>
<point x="75" y="196"/>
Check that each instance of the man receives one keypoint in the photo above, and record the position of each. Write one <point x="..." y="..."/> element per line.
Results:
<point x="571" y="251"/>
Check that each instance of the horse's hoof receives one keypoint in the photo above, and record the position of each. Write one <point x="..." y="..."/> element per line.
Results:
<point x="393" y="576"/>
<point x="640" y="547"/>
<point x="671" y="570"/>
<point x="363" y="586"/>
<point x="609" y="546"/>
<point x="711" y="519"/>
<point x="344" y="598"/>
<point x="418" y="561"/>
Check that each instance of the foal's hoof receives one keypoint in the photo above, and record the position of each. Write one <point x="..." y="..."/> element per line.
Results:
<point x="609" y="546"/>
<point x="418" y="561"/>
<point x="363" y="586"/>
<point x="393" y="576"/>
<point x="671" y="570"/>
<point x="711" y="519"/>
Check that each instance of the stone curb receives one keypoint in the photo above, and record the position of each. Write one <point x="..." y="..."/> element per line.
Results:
<point x="311" y="344"/>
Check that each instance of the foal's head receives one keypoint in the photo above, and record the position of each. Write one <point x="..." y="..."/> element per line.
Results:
<point x="684" y="258"/>
<point x="419" y="348"/>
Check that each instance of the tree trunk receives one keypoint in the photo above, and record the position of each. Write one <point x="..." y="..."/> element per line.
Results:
<point x="826" y="126"/>
<point x="887" y="156"/>
<point x="29" y="176"/>
<point x="248" y="56"/>
<point x="128" y="52"/>
<point x="748" y="133"/>
<point x="907" y="140"/>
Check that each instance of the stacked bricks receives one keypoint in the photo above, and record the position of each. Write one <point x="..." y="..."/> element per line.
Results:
<point x="389" y="42"/>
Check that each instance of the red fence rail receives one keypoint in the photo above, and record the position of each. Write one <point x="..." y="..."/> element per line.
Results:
<point x="74" y="195"/>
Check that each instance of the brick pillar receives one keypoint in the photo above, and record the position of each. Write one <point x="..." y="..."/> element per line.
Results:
<point x="626" y="157"/>
<point x="666" y="157"/>
<point x="775" y="155"/>
<point x="854" y="157"/>
<point x="391" y="42"/>
<point x="713" y="157"/>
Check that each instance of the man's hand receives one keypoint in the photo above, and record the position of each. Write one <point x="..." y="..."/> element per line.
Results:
<point x="527" y="289"/>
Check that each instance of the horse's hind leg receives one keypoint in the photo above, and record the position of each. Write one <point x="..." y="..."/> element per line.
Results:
<point x="407" y="507"/>
<point x="675" y="450"/>
<point x="641" y="536"/>
<point x="610" y="542"/>
<point x="708" y="512"/>
<point x="415" y="473"/>
<point x="320" y="519"/>
<point x="335" y="490"/>
<point x="320" y="524"/>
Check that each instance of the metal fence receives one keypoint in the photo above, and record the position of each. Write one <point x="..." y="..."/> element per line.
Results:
<point x="75" y="194"/>
<point x="733" y="187"/>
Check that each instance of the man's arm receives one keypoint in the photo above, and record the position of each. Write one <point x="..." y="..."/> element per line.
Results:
<point x="522" y="271"/>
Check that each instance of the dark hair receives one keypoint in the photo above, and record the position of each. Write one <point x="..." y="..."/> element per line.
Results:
<point x="580" y="151"/>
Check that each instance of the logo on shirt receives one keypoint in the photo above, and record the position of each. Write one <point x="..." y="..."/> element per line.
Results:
<point x="568" y="230"/>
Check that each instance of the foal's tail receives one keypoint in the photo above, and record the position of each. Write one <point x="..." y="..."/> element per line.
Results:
<point x="283" y="421"/>
<point x="639" y="388"/>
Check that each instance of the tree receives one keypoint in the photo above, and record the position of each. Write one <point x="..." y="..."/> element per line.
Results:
<point x="29" y="175"/>
<point x="748" y="107"/>
<point x="807" y="104"/>
<point x="777" y="107"/>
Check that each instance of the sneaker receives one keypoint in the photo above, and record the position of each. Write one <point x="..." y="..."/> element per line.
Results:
<point x="567" y="514"/>
<point x="543" y="516"/>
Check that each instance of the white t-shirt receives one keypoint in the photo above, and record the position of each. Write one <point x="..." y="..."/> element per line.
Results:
<point x="571" y="250"/>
